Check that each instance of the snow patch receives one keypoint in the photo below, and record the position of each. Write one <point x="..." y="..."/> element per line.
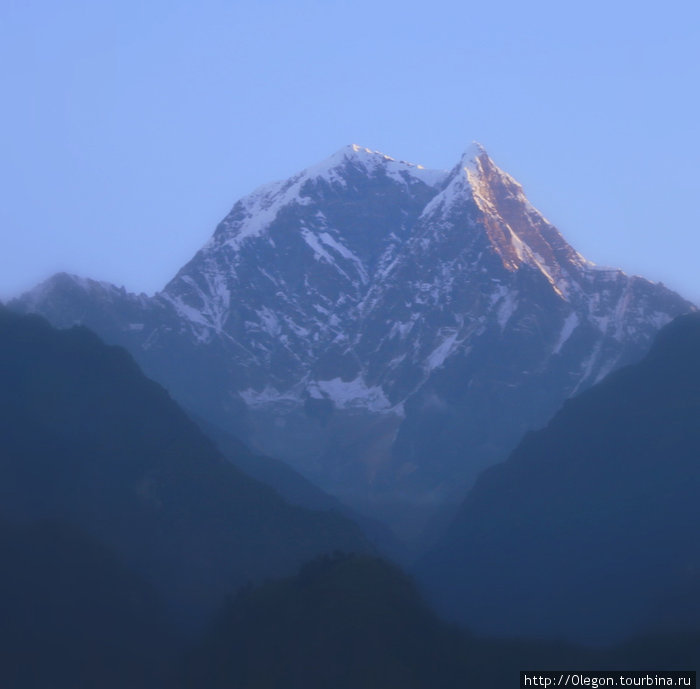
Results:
<point x="506" y="308"/>
<point x="345" y="253"/>
<point x="268" y="321"/>
<point x="441" y="352"/>
<point x="570" y="324"/>
<point x="353" y="394"/>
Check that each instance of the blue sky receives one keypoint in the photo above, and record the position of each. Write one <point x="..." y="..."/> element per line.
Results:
<point x="128" y="129"/>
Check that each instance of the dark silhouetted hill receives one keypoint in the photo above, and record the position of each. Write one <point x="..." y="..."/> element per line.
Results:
<point x="73" y="617"/>
<point x="88" y="440"/>
<point x="355" y="621"/>
<point x="590" y="531"/>
<point x="342" y="622"/>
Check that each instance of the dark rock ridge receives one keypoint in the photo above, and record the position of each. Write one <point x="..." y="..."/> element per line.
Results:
<point x="387" y="330"/>
<point x="589" y="532"/>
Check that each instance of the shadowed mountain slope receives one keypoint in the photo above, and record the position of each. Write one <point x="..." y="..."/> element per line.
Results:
<point x="74" y="617"/>
<point x="589" y="531"/>
<point x="87" y="439"/>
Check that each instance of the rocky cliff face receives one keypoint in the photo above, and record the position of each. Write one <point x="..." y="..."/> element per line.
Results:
<point x="388" y="330"/>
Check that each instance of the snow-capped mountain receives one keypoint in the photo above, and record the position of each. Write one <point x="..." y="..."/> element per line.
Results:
<point x="386" y="329"/>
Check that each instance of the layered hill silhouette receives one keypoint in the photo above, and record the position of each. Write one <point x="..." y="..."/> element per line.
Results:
<point x="355" y="621"/>
<point x="589" y="531"/>
<point x="88" y="441"/>
<point x="119" y="520"/>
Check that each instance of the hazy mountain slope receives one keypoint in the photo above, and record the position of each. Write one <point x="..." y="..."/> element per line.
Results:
<point x="87" y="439"/>
<point x="296" y="490"/>
<point x="387" y="330"/>
<point x="589" y="531"/>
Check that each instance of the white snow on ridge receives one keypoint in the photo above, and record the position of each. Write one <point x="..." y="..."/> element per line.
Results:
<point x="372" y="162"/>
<point x="452" y="194"/>
<point x="262" y="206"/>
<point x="261" y="209"/>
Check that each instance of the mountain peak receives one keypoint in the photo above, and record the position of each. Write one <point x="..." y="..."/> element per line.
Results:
<point x="472" y="155"/>
<point x="517" y="232"/>
<point x="371" y="162"/>
<point x="360" y="155"/>
<point x="475" y="161"/>
<point x="363" y="150"/>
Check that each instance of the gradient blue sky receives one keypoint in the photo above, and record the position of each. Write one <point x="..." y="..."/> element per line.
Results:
<point x="128" y="129"/>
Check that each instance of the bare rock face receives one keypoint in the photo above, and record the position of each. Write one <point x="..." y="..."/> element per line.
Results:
<point x="388" y="330"/>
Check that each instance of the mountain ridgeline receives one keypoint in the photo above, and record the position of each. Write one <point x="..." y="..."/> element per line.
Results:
<point x="387" y="330"/>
